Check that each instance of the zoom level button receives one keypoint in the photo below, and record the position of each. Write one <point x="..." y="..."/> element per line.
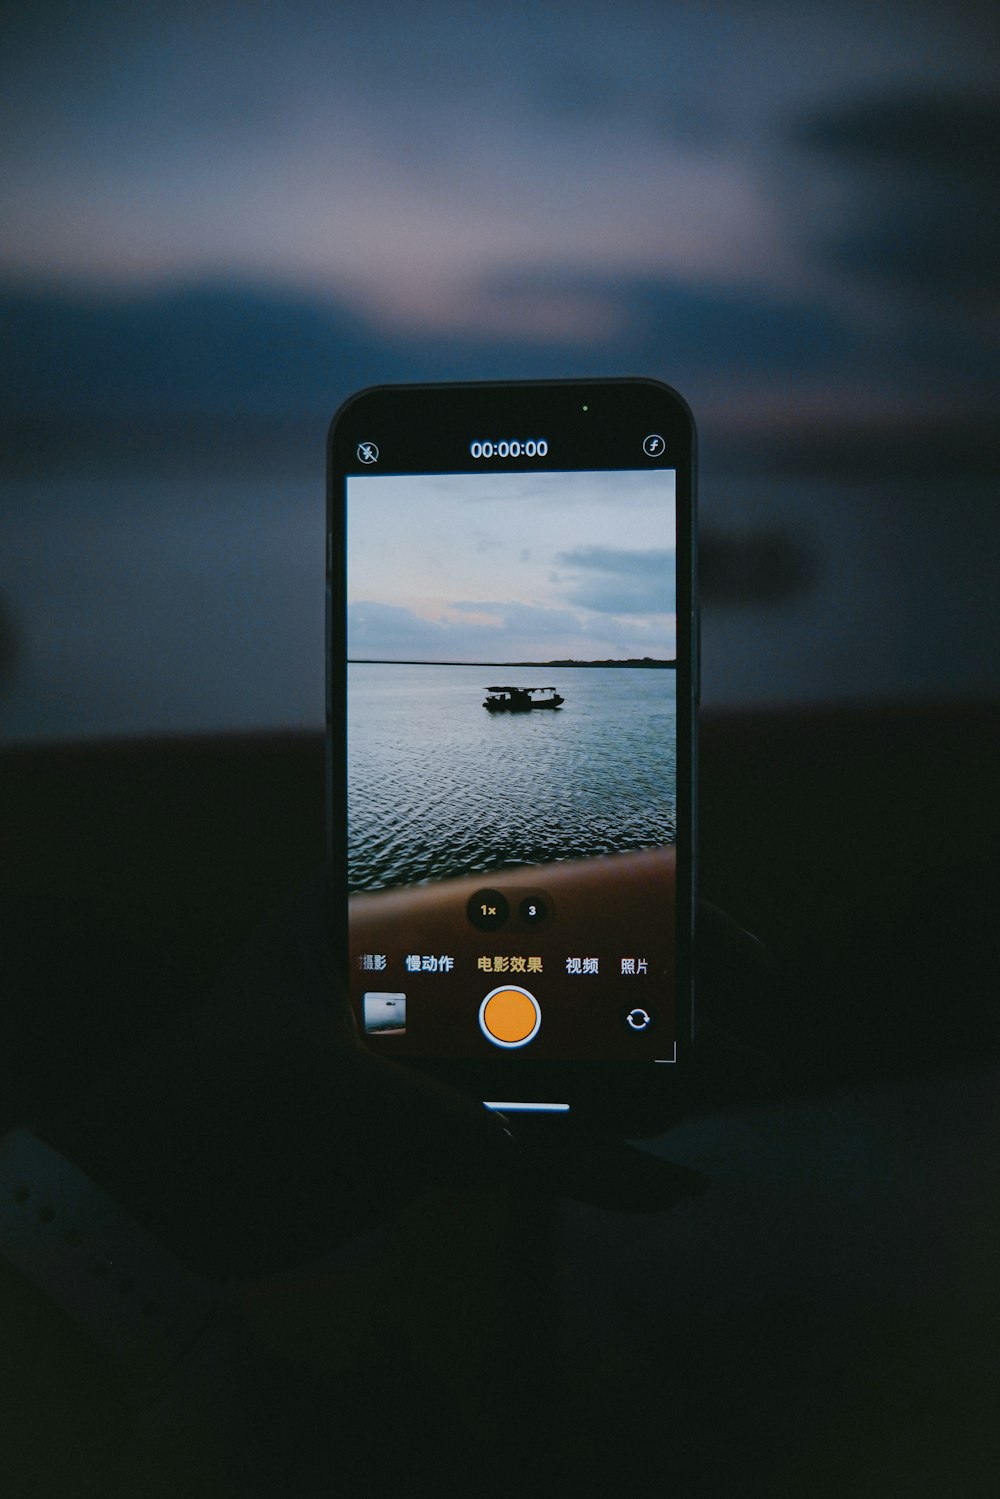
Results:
<point x="487" y="910"/>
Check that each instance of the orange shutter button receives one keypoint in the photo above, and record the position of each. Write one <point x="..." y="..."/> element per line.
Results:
<point x="509" y="1016"/>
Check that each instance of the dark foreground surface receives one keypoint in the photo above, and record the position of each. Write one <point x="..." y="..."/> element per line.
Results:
<point x="822" y="1320"/>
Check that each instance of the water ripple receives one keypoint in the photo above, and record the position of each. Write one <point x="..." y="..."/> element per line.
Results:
<point x="438" y="787"/>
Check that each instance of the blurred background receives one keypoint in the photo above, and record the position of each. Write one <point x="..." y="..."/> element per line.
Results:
<point x="216" y="221"/>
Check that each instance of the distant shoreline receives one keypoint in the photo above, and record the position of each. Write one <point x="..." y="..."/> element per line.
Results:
<point x="640" y="661"/>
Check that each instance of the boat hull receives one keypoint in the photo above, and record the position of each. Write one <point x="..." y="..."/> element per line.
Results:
<point x="521" y="707"/>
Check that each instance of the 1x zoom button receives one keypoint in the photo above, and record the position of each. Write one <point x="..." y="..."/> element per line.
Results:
<point x="487" y="910"/>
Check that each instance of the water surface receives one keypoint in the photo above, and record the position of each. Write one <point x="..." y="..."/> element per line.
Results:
<point x="439" y="787"/>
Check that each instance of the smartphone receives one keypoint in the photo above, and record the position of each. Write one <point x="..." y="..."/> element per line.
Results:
<point x="512" y="688"/>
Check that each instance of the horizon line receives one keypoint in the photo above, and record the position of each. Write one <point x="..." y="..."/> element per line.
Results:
<point x="658" y="661"/>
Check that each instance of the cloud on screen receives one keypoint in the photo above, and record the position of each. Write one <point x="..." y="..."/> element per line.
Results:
<point x="480" y="630"/>
<point x="610" y="581"/>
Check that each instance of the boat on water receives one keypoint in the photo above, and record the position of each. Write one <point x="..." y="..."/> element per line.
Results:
<point x="520" y="699"/>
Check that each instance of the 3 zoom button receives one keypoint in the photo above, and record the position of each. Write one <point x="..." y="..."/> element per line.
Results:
<point x="533" y="910"/>
<point x="509" y="1016"/>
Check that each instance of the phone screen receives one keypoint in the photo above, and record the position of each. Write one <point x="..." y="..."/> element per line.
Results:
<point x="512" y="709"/>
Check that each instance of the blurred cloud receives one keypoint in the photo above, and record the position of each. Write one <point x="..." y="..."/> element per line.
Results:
<point x="205" y="347"/>
<point x="953" y="134"/>
<point x="768" y="567"/>
<point x="912" y="179"/>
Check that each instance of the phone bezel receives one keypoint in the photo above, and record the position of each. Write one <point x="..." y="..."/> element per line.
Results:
<point x="632" y="1098"/>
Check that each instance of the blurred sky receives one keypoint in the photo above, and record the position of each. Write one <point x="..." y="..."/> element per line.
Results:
<point x="218" y="220"/>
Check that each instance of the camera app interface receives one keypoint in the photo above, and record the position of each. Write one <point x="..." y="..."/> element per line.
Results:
<point x="512" y="794"/>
